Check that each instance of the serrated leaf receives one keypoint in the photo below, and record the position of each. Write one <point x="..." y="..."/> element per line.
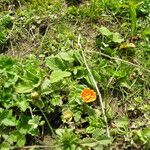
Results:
<point x="9" y="121"/>
<point x="98" y="133"/>
<point x="23" y="105"/>
<point x="34" y="122"/>
<point x="55" y="63"/>
<point x="6" y="118"/>
<point x="65" y="56"/>
<point x="58" y="75"/>
<point x="11" y="80"/>
<point x="46" y="84"/>
<point x="56" y="100"/>
<point x="23" y="126"/>
<point x="24" y="88"/>
<point x="46" y="87"/>
<point x="30" y="80"/>
<point x="21" y="140"/>
<point x="17" y="137"/>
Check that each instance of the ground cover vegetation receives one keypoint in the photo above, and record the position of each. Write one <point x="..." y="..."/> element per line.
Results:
<point x="74" y="74"/>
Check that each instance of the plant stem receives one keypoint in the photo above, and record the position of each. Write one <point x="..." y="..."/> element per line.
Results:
<point x="98" y="92"/>
<point x="95" y="84"/>
<point x="121" y="60"/>
<point x="50" y="127"/>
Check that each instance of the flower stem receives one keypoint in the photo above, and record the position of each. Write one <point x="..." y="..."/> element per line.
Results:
<point x="46" y="119"/>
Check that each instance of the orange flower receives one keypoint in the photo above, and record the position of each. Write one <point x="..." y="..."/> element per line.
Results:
<point x="88" y="95"/>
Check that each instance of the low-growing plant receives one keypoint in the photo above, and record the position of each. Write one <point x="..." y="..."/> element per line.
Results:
<point x="24" y="94"/>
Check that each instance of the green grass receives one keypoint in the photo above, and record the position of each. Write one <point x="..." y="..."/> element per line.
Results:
<point x="51" y="50"/>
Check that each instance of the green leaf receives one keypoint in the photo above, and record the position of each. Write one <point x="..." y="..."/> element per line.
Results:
<point x="12" y="79"/>
<point x="9" y="121"/>
<point x="90" y="142"/>
<point x="5" y="146"/>
<point x="34" y="122"/>
<point x="23" y="105"/>
<point x="104" y="141"/>
<point x="122" y="122"/>
<point x="27" y="86"/>
<point x="21" y="140"/>
<point x="32" y="75"/>
<point x="24" y="88"/>
<point x="80" y="72"/>
<point x="104" y="31"/>
<point x="146" y="132"/>
<point x="110" y="112"/>
<point x="78" y="57"/>
<point x="98" y="133"/>
<point x="116" y="38"/>
<point x="58" y="75"/>
<point x="18" y="137"/>
<point x="56" y="100"/>
<point x="39" y="103"/>
<point x="77" y="116"/>
<point x="66" y="56"/>
<point x="24" y="128"/>
<point x="7" y="118"/>
<point x="46" y="86"/>
<point x="30" y="79"/>
<point x="55" y="63"/>
<point x="6" y="62"/>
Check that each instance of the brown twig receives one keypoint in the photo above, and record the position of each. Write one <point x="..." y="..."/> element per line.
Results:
<point x="121" y="60"/>
<point x="96" y="87"/>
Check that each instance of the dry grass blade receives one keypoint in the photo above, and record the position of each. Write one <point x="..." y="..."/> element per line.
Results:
<point x="121" y="60"/>
<point x="96" y="87"/>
